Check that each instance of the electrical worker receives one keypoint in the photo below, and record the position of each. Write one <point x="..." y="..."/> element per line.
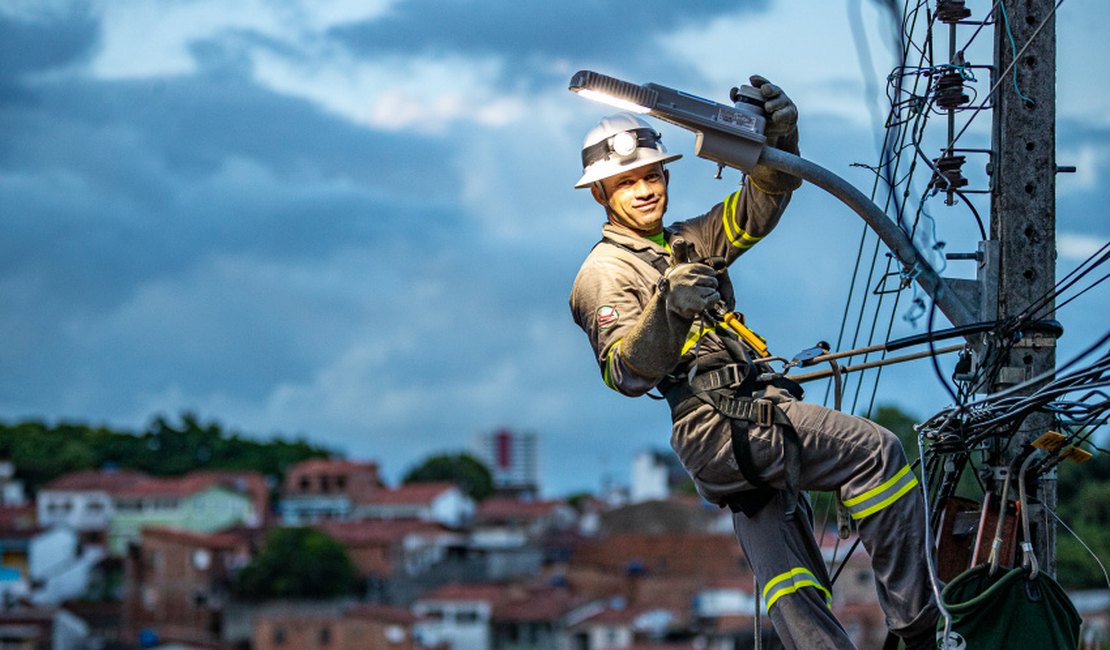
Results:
<point x="651" y="299"/>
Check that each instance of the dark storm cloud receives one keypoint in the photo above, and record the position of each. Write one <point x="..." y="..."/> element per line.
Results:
<point x="174" y="169"/>
<point x="143" y="219"/>
<point x="530" y="30"/>
<point x="34" y="46"/>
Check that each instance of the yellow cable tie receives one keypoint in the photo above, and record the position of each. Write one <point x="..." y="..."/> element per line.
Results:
<point x="1050" y="441"/>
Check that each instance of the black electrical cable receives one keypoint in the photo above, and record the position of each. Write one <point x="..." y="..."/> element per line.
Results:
<point x="933" y="354"/>
<point x="1092" y="286"/>
<point x="887" y="158"/>
<point x="974" y="212"/>
<point x="1093" y="261"/>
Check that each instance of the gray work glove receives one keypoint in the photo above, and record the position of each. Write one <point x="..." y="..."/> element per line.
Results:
<point x="654" y="345"/>
<point x="689" y="289"/>
<point x="782" y="133"/>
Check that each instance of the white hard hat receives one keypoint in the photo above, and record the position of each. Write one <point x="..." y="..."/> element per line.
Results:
<point x="617" y="144"/>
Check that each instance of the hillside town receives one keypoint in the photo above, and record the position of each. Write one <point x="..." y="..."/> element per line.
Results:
<point x="113" y="559"/>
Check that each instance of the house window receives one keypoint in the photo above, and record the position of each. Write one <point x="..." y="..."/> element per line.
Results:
<point x="341" y="482"/>
<point x="59" y="507"/>
<point x="94" y="507"/>
<point x="467" y="616"/>
<point x="305" y="484"/>
<point x="434" y="614"/>
<point x="325" y="635"/>
<point x="279" y="636"/>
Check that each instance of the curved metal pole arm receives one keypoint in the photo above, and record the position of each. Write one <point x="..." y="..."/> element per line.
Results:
<point x="891" y="235"/>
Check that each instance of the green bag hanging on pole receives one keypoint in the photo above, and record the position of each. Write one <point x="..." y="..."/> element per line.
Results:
<point x="1008" y="610"/>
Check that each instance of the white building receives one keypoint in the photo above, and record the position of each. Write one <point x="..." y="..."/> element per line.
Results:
<point x="655" y="474"/>
<point x="457" y="615"/>
<point x="83" y="501"/>
<point x="11" y="490"/>
<point x="44" y="566"/>
<point x="512" y="458"/>
<point x="442" y="503"/>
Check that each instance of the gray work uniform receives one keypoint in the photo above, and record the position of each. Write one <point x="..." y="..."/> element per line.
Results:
<point x="839" y="452"/>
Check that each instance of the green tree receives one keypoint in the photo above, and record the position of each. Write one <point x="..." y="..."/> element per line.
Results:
<point x="901" y="423"/>
<point x="42" y="453"/>
<point x="1083" y="503"/>
<point x="298" y="563"/>
<point x="469" y="473"/>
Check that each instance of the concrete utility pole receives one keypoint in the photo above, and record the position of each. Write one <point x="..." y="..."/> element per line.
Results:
<point x="1023" y="211"/>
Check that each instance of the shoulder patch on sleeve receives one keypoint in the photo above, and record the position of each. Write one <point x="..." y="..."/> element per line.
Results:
<point x="607" y="316"/>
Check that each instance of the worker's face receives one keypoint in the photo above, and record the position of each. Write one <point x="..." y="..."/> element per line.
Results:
<point x="635" y="199"/>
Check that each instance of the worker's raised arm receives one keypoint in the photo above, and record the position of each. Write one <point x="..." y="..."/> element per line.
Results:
<point x="638" y="331"/>
<point x="749" y="214"/>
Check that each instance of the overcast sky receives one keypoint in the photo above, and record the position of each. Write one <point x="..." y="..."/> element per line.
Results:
<point x="354" y="221"/>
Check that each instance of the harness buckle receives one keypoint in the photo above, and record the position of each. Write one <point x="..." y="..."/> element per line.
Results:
<point x="735" y="375"/>
<point x="764" y="412"/>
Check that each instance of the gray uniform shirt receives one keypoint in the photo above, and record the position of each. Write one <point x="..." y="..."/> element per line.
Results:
<point x="613" y="286"/>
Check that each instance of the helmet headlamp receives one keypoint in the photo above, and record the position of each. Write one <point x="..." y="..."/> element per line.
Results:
<point x="623" y="144"/>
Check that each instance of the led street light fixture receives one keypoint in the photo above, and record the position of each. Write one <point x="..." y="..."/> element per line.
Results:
<point x="727" y="135"/>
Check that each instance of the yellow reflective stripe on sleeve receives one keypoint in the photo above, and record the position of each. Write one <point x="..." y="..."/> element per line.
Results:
<point x="736" y="235"/>
<point x="607" y="374"/>
<point x="787" y="583"/>
<point x="882" y="496"/>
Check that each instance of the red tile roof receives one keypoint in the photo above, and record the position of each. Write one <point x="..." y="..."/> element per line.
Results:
<point x="503" y="509"/>
<point x="455" y="591"/>
<point x="18" y="517"/>
<point x="613" y="616"/>
<point x="543" y="604"/>
<point x="93" y="480"/>
<point x="333" y="466"/>
<point x="732" y="623"/>
<point x="411" y="494"/>
<point x="382" y="613"/>
<point x="744" y="583"/>
<point x="170" y="486"/>
<point x="372" y="532"/>
<point x="193" y="539"/>
<point x="707" y="555"/>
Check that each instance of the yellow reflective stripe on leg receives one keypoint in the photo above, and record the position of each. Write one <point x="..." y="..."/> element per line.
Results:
<point x="736" y="235"/>
<point x="787" y="583"/>
<point x="882" y="496"/>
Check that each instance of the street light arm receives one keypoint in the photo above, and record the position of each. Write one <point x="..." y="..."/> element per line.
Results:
<point x="891" y="235"/>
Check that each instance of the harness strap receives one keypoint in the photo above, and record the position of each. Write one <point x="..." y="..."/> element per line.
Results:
<point x="658" y="262"/>
<point x="742" y="413"/>
<point x="728" y="390"/>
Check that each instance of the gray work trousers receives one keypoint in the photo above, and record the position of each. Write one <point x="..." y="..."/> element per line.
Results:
<point x="867" y="465"/>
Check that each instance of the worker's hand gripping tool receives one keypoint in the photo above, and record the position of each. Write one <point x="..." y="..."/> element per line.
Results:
<point x="683" y="252"/>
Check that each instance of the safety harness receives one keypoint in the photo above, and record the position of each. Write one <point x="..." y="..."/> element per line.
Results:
<point x="727" y="381"/>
